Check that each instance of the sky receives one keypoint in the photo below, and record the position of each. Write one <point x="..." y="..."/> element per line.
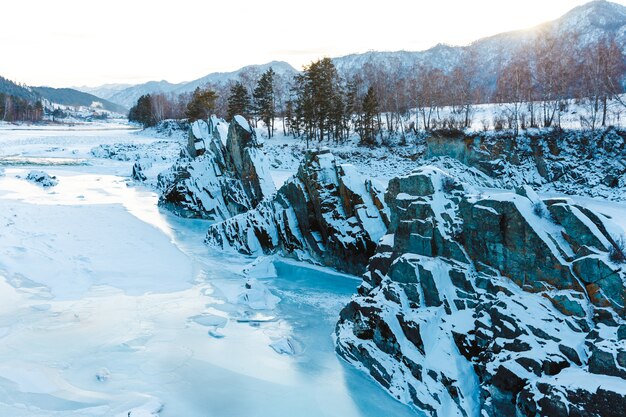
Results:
<point x="64" y="43"/>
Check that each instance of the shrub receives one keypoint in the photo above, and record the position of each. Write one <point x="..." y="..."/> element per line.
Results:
<point x="617" y="252"/>
<point x="448" y="184"/>
<point x="539" y="209"/>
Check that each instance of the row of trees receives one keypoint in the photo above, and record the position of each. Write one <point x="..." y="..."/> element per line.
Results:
<point x="152" y="108"/>
<point x="322" y="105"/>
<point x="261" y="105"/>
<point x="533" y="86"/>
<point x="14" y="109"/>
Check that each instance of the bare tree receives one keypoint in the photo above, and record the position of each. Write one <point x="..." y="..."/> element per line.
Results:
<point x="514" y="87"/>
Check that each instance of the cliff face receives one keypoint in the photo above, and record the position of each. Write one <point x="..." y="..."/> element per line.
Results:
<point x="549" y="160"/>
<point x="499" y="305"/>
<point x="327" y="213"/>
<point x="218" y="177"/>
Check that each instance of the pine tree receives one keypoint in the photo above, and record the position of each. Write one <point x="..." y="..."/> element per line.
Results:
<point x="264" y="100"/>
<point x="142" y="111"/>
<point x="201" y="105"/>
<point x="370" y="115"/>
<point x="238" y="101"/>
<point x="319" y="104"/>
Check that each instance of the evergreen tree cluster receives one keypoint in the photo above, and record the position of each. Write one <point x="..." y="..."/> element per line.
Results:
<point x="322" y="105"/>
<point x="238" y="101"/>
<point x="19" y="103"/>
<point x="142" y="112"/>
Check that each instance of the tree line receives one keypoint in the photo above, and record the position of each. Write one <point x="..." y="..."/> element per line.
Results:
<point x="225" y="101"/>
<point x="13" y="109"/>
<point x="533" y="87"/>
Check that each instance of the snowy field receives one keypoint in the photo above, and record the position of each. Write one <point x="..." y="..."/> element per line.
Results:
<point x="110" y="307"/>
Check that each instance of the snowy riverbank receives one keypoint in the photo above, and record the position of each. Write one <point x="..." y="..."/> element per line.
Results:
<point x="110" y="305"/>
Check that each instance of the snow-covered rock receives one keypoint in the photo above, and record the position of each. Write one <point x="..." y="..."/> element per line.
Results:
<point x="326" y="213"/>
<point x="42" y="178"/>
<point x="479" y="305"/>
<point x="219" y="180"/>
<point x="137" y="173"/>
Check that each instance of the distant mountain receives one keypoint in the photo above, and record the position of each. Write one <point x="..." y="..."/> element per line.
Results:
<point x="75" y="98"/>
<point x="128" y="96"/>
<point x="105" y="91"/>
<point x="281" y="68"/>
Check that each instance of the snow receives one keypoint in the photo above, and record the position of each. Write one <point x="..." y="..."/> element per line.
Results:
<point x="200" y="129"/>
<point x="241" y="121"/>
<point x="115" y="306"/>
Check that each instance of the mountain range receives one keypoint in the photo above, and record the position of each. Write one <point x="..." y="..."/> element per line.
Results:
<point x="585" y="23"/>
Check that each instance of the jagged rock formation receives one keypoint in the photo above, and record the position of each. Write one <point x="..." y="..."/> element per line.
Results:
<point x="137" y="174"/>
<point x="326" y="213"/>
<point x="499" y="305"/>
<point x="548" y="160"/>
<point x="217" y="179"/>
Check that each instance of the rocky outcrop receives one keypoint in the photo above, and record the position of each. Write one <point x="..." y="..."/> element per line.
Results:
<point x="137" y="173"/>
<point x="220" y="175"/>
<point x="327" y="213"/>
<point x="490" y="305"/>
<point x="42" y="178"/>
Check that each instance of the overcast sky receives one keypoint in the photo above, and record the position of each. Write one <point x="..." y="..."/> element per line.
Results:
<point x="79" y="42"/>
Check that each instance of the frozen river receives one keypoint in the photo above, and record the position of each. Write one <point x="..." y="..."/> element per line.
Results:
<point x="110" y="306"/>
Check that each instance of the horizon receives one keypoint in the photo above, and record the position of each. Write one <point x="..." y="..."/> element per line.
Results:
<point x="72" y="60"/>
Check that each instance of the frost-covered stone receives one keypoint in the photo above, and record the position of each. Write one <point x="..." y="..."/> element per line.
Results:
<point x="223" y="177"/>
<point x="42" y="178"/>
<point x="326" y="213"/>
<point x="137" y="173"/>
<point x="473" y="306"/>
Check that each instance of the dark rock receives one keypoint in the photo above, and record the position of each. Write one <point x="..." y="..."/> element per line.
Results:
<point x="327" y="213"/>
<point x="138" y="174"/>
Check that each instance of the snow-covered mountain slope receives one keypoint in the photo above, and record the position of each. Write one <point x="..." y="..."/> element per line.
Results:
<point x="491" y="305"/>
<point x="221" y="174"/>
<point x="327" y="213"/>
<point x="586" y="23"/>
<point x="440" y="56"/>
<point x="105" y="91"/>
<point x="128" y="96"/>
<point x="255" y="71"/>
